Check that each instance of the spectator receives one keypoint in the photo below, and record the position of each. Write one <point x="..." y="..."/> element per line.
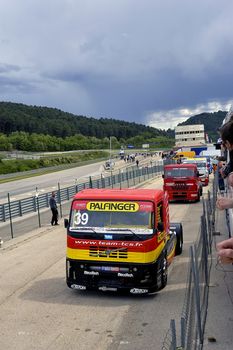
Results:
<point x="225" y="248"/>
<point x="230" y="179"/>
<point x="220" y="167"/>
<point x="225" y="251"/>
<point x="53" y="207"/>
<point x="214" y="165"/>
<point x="227" y="145"/>
<point x="226" y="132"/>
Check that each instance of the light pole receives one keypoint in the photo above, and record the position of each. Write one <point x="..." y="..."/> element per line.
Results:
<point x="38" y="206"/>
<point x="110" y="149"/>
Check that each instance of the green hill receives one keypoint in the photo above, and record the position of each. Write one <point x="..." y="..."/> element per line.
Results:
<point x="33" y="128"/>
<point x="54" y="122"/>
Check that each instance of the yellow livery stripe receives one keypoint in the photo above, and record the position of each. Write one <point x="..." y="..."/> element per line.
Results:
<point x="133" y="257"/>
<point x="171" y="254"/>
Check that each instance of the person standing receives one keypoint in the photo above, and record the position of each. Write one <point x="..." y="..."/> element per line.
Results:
<point x="53" y="207"/>
<point x="220" y="167"/>
<point x="226" y="132"/>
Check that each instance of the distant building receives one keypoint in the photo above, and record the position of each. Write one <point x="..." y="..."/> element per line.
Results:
<point x="190" y="135"/>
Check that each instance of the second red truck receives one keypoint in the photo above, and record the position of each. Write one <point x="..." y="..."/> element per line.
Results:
<point x="182" y="182"/>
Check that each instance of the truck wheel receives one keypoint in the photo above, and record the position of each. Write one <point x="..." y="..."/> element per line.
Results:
<point x="179" y="239"/>
<point x="163" y="271"/>
<point x="69" y="284"/>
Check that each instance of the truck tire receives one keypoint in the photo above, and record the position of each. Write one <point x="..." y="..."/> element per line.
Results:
<point x="163" y="265"/>
<point x="69" y="284"/>
<point x="179" y="238"/>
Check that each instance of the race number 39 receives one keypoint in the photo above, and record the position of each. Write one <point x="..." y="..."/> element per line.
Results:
<point x="80" y="219"/>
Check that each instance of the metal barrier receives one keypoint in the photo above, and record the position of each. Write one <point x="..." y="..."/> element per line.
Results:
<point x="189" y="334"/>
<point x="191" y="324"/>
<point x="229" y="212"/>
<point x="128" y="177"/>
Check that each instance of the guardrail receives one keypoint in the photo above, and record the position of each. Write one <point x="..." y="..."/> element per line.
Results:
<point x="46" y="170"/>
<point x="128" y="177"/>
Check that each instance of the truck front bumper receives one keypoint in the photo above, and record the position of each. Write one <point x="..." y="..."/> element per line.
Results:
<point x="182" y="195"/>
<point x="134" y="278"/>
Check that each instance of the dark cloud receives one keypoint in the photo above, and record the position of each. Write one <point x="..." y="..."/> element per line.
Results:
<point x="8" y="68"/>
<point x="137" y="61"/>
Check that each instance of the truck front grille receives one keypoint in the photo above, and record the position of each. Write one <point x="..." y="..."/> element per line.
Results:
<point x="108" y="252"/>
<point x="180" y="186"/>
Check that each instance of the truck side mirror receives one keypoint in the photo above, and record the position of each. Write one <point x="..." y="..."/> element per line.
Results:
<point x="66" y="223"/>
<point x="163" y="176"/>
<point x="160" y="226"/>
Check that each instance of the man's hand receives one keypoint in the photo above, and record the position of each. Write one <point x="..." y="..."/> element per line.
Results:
<point x="224" y="203"/>
<point x="225" y="251"/>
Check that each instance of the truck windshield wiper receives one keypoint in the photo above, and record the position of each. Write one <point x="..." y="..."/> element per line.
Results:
<point x="81" y="229"/>
<point x="110" y="230"/>
<point x="131" y="231"/>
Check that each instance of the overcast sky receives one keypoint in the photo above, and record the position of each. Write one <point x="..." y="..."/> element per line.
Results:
<point x="155" y="62"/>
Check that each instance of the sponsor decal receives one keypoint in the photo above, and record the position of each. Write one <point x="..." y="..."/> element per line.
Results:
<point x="109" y="243"/>
<point x="92" y="273"/>
<point x="78" y="286"/>
<point x="146" y="206"/>
<point x="113" y="206"/>
<point x="138" y="291"/>
<point x="120" y="274"/>
<point x="79" y="205"/>
<point x="105" y="289"/>
<point x="161" y="236"/>
<point x="108" y="236"/>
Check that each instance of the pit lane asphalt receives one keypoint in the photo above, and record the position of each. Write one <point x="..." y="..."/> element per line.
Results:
<point x="38" y="311"/>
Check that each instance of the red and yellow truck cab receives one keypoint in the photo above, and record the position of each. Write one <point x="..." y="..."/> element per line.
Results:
<point x="120" y="240"/>
<point x="182" y="182"/>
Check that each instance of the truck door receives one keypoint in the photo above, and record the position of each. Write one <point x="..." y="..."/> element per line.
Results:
<point x="162" y="214"/>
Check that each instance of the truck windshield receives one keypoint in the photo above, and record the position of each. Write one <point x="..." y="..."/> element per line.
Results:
<point x="202" y="170"/>
<point x="201" y="165"/>
<point x="179" y="172"/>
<point x="112" y="216"/>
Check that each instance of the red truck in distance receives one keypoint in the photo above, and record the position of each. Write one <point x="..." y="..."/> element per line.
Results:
<point x="120" y="240"/>
<point x="182" y="182"/>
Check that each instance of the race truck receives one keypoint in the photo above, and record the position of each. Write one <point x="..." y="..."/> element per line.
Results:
<point x="201" y="167"/>
<point x="120" y="240"/>
<point x="182" y="182"/>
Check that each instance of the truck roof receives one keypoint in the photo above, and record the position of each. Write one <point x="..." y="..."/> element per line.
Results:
<point x="198" y="161"/>
<point x="182" y="165"/>
<point x="123" y="194"/>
